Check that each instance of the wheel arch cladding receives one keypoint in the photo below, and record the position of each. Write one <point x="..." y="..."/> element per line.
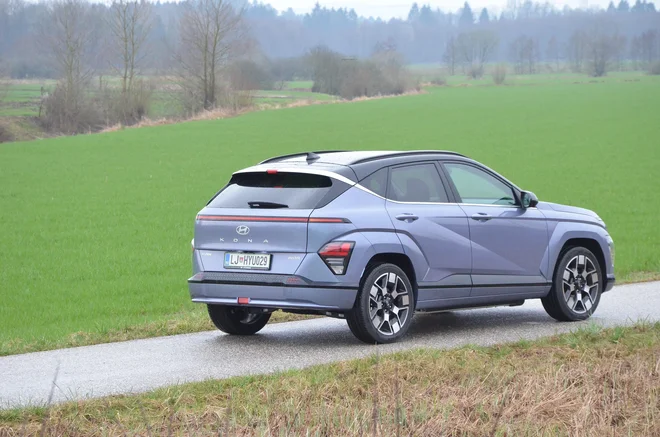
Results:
<point x="400" y="260"/>
<point x="593" y="246"/>
<point x="591" y="237"/>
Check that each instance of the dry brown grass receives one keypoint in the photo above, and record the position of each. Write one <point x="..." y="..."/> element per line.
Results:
<point x="221" y="113"/>
<point x="591" y="383"/>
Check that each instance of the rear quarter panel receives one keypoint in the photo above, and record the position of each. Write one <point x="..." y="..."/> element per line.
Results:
<point x="370" y="228"/>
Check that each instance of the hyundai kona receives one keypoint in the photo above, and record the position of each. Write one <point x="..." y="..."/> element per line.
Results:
<point x="374" y="237"/>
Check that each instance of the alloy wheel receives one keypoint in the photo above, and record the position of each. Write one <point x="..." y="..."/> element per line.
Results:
<point x="389" y="303"/>
<point x="580" y="284"/>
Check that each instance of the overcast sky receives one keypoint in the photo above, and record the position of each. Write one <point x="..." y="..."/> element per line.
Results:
<point x="397" y="8"/>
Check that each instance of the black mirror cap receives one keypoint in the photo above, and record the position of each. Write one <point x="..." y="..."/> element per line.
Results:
<point x="529" y="199"/>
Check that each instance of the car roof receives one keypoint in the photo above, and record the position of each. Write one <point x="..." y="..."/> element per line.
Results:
<point x="356" y="165"/>
<point x="345" y="157"/>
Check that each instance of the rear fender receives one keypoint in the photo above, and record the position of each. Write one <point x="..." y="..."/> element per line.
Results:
<point x="314" y="269"/>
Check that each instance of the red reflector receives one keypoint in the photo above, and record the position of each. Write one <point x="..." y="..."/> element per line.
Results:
<point x="271" y="171"/>
<point x="243" y="300"/>
<point x="327" y="220"/>
<point x="338" y="248"/>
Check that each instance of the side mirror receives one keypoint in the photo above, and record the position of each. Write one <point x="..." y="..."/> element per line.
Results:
<point x="528" y="199"/>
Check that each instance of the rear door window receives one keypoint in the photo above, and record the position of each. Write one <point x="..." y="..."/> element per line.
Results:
<point x="417" y="183"/>
<point x="376" y="182"/>
<point x="261" y="190"/>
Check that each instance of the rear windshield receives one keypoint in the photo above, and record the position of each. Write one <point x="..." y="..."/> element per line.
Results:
<point x="274" y="191"/>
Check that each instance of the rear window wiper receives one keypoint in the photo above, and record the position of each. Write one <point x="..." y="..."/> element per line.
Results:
<point x="269" y="205"/>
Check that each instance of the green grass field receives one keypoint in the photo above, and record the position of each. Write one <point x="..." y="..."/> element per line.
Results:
<point x="299" y="85"/>
<point x="21" y="99"/>
<point x="96" y="229"/>
<point x="286" y="96"/>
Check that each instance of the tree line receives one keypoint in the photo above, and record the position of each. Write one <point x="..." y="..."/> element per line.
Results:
<point x="421" y="37"/>
<point x="212" y="50"/>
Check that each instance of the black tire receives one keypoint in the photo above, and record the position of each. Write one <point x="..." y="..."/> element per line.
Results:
<point x="237" y="321"/>
<point x="359" y="318"/>
<point x="564" y="284"/>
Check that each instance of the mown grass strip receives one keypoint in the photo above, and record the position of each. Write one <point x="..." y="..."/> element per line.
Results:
<point x="592" y="382"/>
<point x="195" y="320"/>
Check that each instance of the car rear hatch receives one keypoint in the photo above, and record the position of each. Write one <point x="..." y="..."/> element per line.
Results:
<point x="258" y="222"/>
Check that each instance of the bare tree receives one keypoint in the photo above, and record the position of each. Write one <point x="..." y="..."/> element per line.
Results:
<point x="475" y="49"/>
<point x="451" y="55"/>
<point x="636" y="52"/>
<point x="553" y="53"/>
<point x="66" y="35"/>
<point x="4" y="85"/>
<point x="649" y="46"/>
<point x="577" y="50"/>
<point x="524" y="53"/>
<point x="602" y="47"/>
<point x="620" y="44"/>
<point x="129" y="22"/>
<point x="211" y="33"/>
<point x="4" y="90"/>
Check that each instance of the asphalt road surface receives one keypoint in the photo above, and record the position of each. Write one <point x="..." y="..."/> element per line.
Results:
<point x="141" y="365"/>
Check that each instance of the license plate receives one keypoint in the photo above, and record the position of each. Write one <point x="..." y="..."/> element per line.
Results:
<point x="248" y="261"/>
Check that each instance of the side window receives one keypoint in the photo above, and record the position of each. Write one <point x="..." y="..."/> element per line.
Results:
<point x="417" y="183"/>
<point x="376" y="182"/>
<point x="477" y="186"/>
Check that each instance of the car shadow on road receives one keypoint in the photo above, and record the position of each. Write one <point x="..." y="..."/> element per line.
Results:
<point x="328" y="333"/>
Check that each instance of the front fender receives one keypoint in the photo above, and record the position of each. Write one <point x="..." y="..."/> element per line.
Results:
<point x="563" y="232"/>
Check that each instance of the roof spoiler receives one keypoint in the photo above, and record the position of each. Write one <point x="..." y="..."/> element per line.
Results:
<point x="311" y="156"/>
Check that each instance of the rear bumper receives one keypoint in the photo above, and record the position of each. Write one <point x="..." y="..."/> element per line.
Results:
<point x="609" y="284"/>
<point x="269" y="291"/>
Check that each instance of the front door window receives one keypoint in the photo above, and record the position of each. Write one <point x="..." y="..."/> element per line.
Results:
<point x="478" y="187"/>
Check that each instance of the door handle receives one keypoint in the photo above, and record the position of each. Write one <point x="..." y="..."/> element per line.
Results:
<point x="481" y="216"/>
<point x="407" y="217"/>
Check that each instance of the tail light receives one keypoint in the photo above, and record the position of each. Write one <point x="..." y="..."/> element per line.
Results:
<point x="336" y="255"/>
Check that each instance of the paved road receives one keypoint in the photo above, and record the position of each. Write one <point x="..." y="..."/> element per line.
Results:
<point x="141" y="365"/>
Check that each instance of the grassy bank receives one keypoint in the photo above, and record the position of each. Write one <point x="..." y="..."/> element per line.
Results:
<point x="590" y="383"/>
<point x="96" y="229"/>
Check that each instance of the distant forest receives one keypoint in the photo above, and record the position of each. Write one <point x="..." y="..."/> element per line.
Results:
<point x="523" y="34"/>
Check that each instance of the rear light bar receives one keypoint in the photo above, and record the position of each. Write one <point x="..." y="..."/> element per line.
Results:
<point x="336" y="255"/>
<point x="247" y="218"/>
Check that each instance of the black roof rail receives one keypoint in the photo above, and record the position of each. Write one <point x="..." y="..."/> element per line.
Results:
<point x="293" y="155"/>
<point x="412" y="153"/>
